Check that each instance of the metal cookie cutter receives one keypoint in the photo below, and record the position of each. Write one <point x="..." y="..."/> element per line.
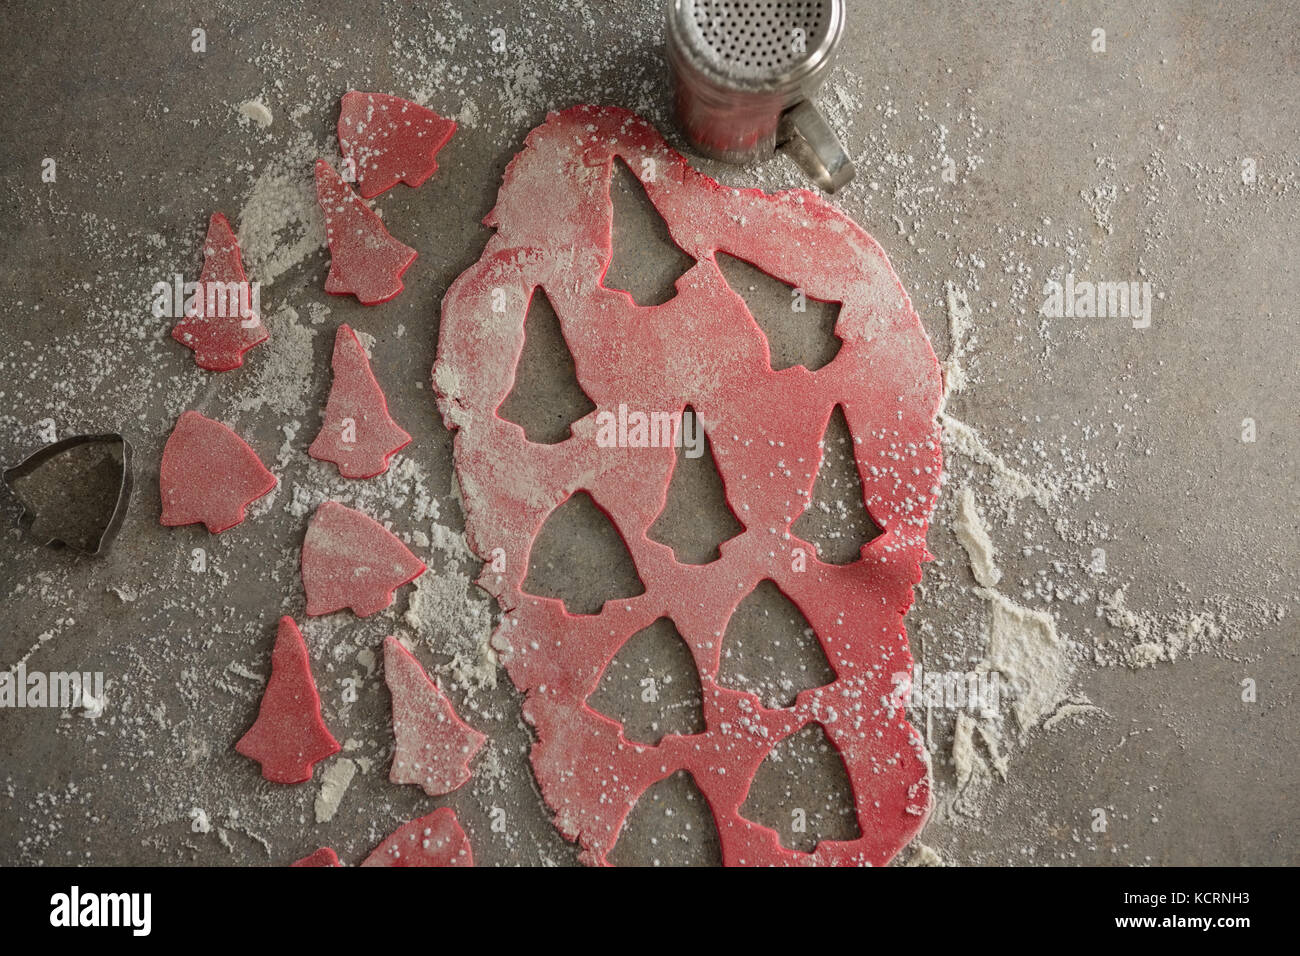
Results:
<point x="745" y="72"/>
<point x="71" y="496"/>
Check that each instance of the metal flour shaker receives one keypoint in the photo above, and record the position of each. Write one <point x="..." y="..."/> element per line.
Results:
<point x="744" y="73"/>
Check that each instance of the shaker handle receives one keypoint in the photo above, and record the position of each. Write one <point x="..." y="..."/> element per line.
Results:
<point x="808" y="139"/>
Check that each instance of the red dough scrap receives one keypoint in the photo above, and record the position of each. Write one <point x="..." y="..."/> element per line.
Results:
<point x="351" y="560"/>
<point x="358" y="434"/>
<point x="220" y="335"/>
<point x="365" y="260"/>
<point x="434" y="746"/>
<point x="325" y="856"/>
<point x="701" y="348"/>
<point x="433" y="840"/>
<point x="390" y="140"/>
<point x="289" y="738"/>
<point x="209" y="475"/>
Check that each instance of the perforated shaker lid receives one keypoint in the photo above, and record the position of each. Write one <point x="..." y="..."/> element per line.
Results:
<point x="758" y="43"/>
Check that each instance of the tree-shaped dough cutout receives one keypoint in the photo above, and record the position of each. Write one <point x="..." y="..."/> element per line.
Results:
<point x="646" y="263"/>
<point x="802" y="791"/>
<point x="651" y="686"/>
<point x="546" y="398"/>
<point x="770" y="649"/>
<point x="436" y="839"/>
<point x="289" y="737"/>
<point x="579" y="558"/>
<point x="357" y="434"/>
<point x="671" y="825"/>
<point x="696" y="518"/>
<point x="209" y="474"/>
<point x="836" y="521"/>
<point x="800" y="330"/>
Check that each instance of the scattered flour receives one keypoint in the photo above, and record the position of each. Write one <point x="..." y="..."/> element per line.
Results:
<point x="974" y="537"/>
<point x="280" y="224"/>
<point x="1023" y="649"/>
<point x="1032" y="659"/>
<point x="1151" y="637"/>
<point x="1007" y="482"/>
<point x="960" y="327"/>
<point x="441" y="610"/>
<point x="922" y="855"/>
<point x="283" y="376"/>
<point x="334" y="784"/>
<point x="255" y="111"/>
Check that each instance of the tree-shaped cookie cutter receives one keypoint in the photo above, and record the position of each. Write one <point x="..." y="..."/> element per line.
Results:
<point x="32" y="464"/>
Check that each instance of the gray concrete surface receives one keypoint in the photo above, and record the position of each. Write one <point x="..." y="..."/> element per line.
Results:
<point x="1124" y="165"/>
